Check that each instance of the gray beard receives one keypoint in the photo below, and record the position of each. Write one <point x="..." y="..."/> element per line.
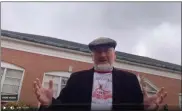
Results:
<point x="103" y="67"/>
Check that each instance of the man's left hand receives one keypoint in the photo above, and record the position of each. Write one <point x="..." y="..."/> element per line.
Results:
<point x="154" y="102"/>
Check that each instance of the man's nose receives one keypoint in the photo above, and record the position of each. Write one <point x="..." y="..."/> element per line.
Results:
<point x="102" y="53"/>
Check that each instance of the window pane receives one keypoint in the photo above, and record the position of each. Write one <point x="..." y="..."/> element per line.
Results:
<point x="56" y="79"/>
<point x="10" y="89"/>
<point x="0" y="78"/>
<point x="55" y="94"/>
<point x="55" y="86"/>
<point x="46" y="85"/>
<point x="64" y="80"/>
<point x="150" y="94"/>
<point x="12" y="81"/>
<point x="14" y="73"/>
<point x="47" y="78"/>
<point x="149" y="88"/>
<point x="62" y="86"/>
<point x="2" y="71"/>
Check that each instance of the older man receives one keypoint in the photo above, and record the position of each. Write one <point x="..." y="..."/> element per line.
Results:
<point x="101" y="88"/>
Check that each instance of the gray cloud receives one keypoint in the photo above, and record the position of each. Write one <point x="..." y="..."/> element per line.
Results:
<point x="143" y="14"/>
<point x="150" y="29"/>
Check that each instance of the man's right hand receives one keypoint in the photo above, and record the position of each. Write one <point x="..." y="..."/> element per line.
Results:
<point x="43" y="95"/>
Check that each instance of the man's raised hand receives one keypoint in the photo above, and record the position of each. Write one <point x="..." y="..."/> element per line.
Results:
<point x="43" y="95"/>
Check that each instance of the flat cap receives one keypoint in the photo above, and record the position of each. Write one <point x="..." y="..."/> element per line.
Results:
<point x="102" y="42"/>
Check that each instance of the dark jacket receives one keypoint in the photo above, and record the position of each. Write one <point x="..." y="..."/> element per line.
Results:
<point x="77" y="94"/>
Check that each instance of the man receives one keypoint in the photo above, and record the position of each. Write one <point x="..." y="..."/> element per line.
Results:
<point x="101" y="88"/>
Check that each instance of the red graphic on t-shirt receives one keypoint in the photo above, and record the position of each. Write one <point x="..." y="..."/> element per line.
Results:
<point x="100" y="93"/>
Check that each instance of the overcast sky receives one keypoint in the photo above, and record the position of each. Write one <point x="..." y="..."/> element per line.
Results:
<point x="151" y="29"/>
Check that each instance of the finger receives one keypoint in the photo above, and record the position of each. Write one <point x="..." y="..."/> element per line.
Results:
<point x="37" y="92"/>
<point x="145" y="92"/>
<point x="35" y="85"/>
<point x="160" y="91"/>
<point x="165" y="94"/>
<point x="161" y="100"/>
<point x="162" y="97"/>
<point x="50" y="84"/>
<point x="142" y="77"/>
<point x="37" y="89"/>
<point x="143" y="85"/>
<point x="153" y="98"/>
<point x="38" y="83"/>
<point x="139" y="77"/>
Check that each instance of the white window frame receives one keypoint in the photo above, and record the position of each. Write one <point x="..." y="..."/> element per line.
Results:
<point x="149" y="83"/>
<point x="57" y="73"/>
<point x="180" y="100"/>
<point x="6" y="66"/>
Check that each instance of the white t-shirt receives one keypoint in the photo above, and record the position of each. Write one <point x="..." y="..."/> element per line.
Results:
<point x="102" y="91"/>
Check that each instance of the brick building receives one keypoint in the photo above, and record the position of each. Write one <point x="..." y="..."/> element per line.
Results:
<point x="25" y="57"/>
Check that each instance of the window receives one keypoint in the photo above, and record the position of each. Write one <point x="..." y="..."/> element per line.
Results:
<point x="2" y="71"/>
<point x="150" y="87"/>
<point x="180" y="100"/>
<point x="63" y="82"/>
<point x="59" y="81"/>
<point x="11" y="79"/>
